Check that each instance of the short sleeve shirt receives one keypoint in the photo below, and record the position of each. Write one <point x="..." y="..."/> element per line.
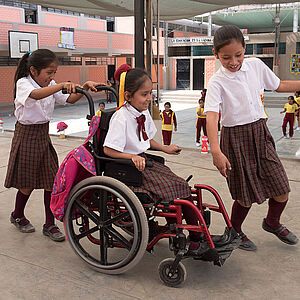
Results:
<point x="240" y="94"/>
<point x="30" y="111"/>
<point x="123" y="132"/>
<point x="291" y="108"/>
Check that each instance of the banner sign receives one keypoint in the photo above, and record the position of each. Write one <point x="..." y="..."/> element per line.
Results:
<point x="295" y="63"/>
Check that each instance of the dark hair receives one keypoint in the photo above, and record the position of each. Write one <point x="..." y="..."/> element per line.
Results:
<point x="167" y="103"/>
<point x="101" y="103"/>
<point x="201" y="99"/>
<point x="204" y="90"/>
<point x="297" y="92"/>
<point x="292" y="98"/>
<point x="134" y="79"/>
<point x="39" y="59"/>
<point x="225" y="35"/>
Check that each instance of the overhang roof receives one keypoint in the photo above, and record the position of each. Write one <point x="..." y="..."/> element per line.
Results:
<point x="254" y="18"/>
<point x="169" y="9"/>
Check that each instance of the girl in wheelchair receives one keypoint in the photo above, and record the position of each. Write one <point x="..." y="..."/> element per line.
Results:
<point x="130" y="134"/>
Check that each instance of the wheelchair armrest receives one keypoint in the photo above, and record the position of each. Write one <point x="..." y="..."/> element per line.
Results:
<point x="156" y="158"/>
<point x="122" y="161"/>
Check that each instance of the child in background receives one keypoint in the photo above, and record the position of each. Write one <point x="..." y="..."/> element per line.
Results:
<point x="168" y="118"/>
<point x="33" y="161"/>
<point x="201" y="121"/>
<point x="101" y="108"/>
<point x="246" y="157"/>
<point x="297" y="99"/>
<point x="130" y="134"/>
<point x="290" y="110"/>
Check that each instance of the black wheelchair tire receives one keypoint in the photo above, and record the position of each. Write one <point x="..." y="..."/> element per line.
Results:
<point x="136" y="209"/>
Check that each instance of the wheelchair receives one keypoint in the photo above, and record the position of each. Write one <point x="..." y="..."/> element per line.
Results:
<point x="110" y="227"/>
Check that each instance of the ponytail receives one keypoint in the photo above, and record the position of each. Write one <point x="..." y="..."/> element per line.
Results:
<point x="22" y="70"/>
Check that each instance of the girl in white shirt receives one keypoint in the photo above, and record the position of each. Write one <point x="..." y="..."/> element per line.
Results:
<point x="33" y="161"/>
<point x="247" y="155"/>
<point x="130" y="134"/>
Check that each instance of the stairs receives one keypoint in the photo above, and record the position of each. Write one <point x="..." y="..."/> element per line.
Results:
<point x="272" y="99"/>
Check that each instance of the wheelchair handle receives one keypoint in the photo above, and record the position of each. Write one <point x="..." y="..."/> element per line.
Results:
<point x="89" y="98"/>
<point x="108" y="88"/>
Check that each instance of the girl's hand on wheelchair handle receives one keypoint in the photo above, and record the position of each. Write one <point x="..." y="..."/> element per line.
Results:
<point x="91" y="85"/>
<point x="139" y="162"/>
<point x="70" y="87"/>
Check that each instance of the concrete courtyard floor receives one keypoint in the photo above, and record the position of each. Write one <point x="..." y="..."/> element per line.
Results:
<point x="34" y="267"/>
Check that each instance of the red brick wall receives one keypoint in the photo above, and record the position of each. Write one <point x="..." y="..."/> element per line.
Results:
<point x="122" y="41"/>
<point x="98" y="73"/>
<point x="4" y="27"/>
<point x="10" y="14"/>
<point x="61" y="20"/>
<point x="95" y="24"/>
<point x="209" y="69"/>
<point x="7" y="84"/>
<point x="90" y="39"/>
<point x="65" y="73"/>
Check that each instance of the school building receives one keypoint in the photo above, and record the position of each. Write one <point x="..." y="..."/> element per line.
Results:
<point x="271" y="34"/>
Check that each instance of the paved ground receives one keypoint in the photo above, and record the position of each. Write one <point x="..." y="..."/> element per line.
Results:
<point x="33" y="267"/>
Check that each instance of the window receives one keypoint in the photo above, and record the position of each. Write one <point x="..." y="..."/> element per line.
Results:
<point x="18" y="4"/>
<point x="180" y="51"/>
<point x="7" y="61"/>
<point x="282" y="48"/>
<point x="110" y="24"/>
<point x="202" y="50"/>
<point x="99" y="61"/>
<point x="249" y="49"/>
<point x="60" y="11"/>
<point x="129" y="61"/>
<point x="69" y="60"/>
<point x="298" y="48"/>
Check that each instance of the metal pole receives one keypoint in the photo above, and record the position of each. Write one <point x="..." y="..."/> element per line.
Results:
<point x="157" y="49"/>
<point x="295" y="23"/>
<point x="149" y="36"/>
<point x="139" y="33"/>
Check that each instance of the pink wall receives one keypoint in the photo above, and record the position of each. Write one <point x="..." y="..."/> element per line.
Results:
<point x="209" y="69"/>
<point x="65" y="73"/>
<point x="92" y="24"/>
<point x="47" y="36"/>
<point x="61" y="20"/>
<point x="6" y="79"/>
<point x="10" y="14"/>
<point x="122" y="41"/>
<point x="90" y="39"/>
<point x="4" y="27"/>
<point x="97" y="73"/>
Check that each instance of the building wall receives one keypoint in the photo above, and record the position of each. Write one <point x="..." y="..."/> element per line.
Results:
<point x="11" y="13"/>
<point x="61" y="20"/>
<point x="209" y="69"/>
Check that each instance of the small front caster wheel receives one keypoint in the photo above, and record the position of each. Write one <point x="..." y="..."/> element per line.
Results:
<point x="169" y="278"/>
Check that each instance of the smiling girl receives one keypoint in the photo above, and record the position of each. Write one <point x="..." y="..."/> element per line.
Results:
<point x="247" y="155"/>
<point x="130" y="134"/>
<point x="33" y="161"/>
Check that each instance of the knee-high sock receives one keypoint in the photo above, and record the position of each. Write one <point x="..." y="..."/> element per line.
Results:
<point x="238" y="215"/>
<point x="274" y="213"/>
<point x="48" y="213"/>
<point x="21" y="200"/>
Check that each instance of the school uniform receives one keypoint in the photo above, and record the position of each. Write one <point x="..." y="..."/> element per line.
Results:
<point x="123" y="135"/>
<point x="200" y="123"/>
<point x="168" y="119"/>
<point x="289" y="118"/>
<point x="257" y="172"/>
<point x="98" y="113"/>
<point x="33" y="162"/>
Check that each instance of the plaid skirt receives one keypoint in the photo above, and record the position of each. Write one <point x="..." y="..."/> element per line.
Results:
<point x="33" y="162"/>
<point x="257" y="173"/>
<point x="160" y="182"/>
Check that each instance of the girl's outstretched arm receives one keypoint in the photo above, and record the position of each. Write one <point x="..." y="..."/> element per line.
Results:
<point x="171" y="149"/>
<point x="219" y="159"/>
<point x="288" y="86"/>
<point x="44" y="92"/>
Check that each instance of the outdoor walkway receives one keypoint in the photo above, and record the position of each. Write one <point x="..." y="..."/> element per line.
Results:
<point x="34" y="268"/>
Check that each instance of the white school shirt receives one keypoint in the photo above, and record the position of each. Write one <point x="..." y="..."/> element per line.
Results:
<point x="30" y="111"/>
<point x="240" y="94"/>
<point x="123" y="133"/>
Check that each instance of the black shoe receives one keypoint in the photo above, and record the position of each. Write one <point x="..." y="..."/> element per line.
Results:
<point x="290" y="238"/>
<point x="28" y="228"/>
<point x="56" y="236"/>
<point x="247" y="245"/>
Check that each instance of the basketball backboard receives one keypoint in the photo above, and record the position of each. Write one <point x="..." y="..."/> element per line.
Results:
<point x="21" y="42"/>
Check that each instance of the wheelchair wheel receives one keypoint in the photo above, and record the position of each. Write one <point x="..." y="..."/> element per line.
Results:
<point x="172" y="280"/>
<point x="98" y="208"/>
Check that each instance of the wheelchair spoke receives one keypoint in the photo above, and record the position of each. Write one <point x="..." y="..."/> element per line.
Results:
<point x="103" y="248"/>
<point x="116" y="235"/>
<point x="117" y="218"/>
<point x="85" y="210"/>
<point x="86" y="233"/>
